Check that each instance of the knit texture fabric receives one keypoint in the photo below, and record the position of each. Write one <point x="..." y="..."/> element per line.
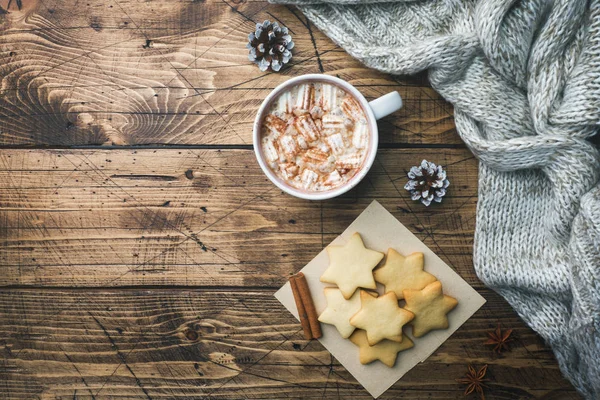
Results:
<point x="524" y="78"/>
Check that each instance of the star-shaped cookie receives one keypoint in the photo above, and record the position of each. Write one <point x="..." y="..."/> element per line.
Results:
<point x="339" y="310"/>
<point x="351" y="266"/>
<point x="381" y="317"/>
<point x="385" y="351"/>
<point x="430" y="307"/>
<point x="399" y="273"/>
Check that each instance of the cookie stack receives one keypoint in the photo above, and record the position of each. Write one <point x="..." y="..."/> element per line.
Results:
<point x="374" y="323"/>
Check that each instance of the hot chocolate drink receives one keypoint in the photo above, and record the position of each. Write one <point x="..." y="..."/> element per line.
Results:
<point x="315" y="136"/>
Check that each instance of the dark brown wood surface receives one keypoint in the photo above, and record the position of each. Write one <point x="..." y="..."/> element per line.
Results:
<point x="141" y="243"/>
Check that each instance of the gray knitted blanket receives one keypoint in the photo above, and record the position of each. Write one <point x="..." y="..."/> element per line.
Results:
<point x="524" y="78"/>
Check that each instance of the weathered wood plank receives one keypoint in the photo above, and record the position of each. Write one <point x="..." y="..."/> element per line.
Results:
<point x="176" y="72"/>
<point x="199" y="217"/>
<point x="170" y="72"/>
<point x="229" y="344"/>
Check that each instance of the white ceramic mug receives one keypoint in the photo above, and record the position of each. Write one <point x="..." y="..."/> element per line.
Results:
<point x="375" y="110"/>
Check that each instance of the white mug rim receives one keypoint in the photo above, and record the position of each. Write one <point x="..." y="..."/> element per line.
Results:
<point x="367" y="164"/>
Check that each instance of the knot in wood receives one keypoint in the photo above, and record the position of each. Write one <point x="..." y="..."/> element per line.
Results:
<point x="191" y="335"/>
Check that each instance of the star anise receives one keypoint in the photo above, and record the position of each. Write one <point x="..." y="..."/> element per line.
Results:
<point x="474" y="381"/>
<point x="499" y="339"/>
<point x="19" y="6"/>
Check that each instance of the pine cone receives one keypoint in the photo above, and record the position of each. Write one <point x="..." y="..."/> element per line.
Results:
<point x="427" y="182"/>
<point x="270" y="46"/>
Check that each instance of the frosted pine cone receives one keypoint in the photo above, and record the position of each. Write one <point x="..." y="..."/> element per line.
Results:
<point x="270" y="46"/>
<point x="427" y="183"/>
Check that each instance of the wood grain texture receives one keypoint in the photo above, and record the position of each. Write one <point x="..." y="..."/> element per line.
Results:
<point x="199" y="217"/>
<point x="226" y="344"/>
<point x="170" y="72"/>
<point x="149" y="273"/>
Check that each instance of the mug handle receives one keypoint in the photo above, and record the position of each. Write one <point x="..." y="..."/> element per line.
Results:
<point x="386" y="104"/>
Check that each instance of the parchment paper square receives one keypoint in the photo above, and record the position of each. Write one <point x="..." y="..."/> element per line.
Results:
<point x="380" y="230"/>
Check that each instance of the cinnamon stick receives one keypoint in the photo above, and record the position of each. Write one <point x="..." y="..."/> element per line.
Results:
<point x="309" y="306"/>
<point x="300" y="306"/>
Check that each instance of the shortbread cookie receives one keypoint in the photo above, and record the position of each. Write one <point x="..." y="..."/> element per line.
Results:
<point x="430" y="307"/>
<point x="381" y="317"/>
<point x="399" y="273"/>
<point x="339" y="310"/>
<point x="351" y="266"/>
<point x="385" y="351"/>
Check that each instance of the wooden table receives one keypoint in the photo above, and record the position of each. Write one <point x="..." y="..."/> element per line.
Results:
<point x="141" y="243"/>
